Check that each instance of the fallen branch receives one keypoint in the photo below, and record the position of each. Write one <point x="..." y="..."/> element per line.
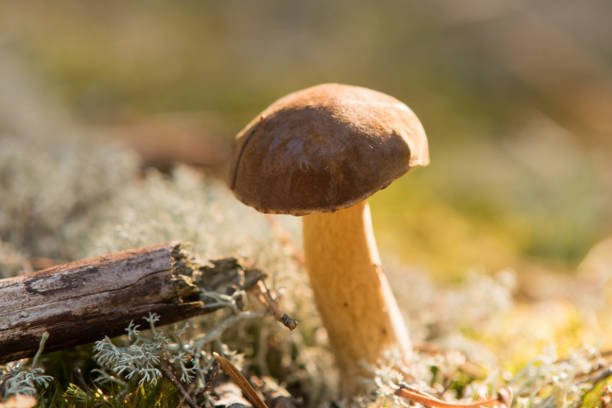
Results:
<point x="83" y="301"/>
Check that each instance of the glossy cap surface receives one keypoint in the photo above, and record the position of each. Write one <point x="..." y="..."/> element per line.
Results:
<point x="325" y="148"/>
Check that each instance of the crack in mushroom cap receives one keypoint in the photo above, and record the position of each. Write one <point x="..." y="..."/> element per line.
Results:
<point x="325" y="148"/>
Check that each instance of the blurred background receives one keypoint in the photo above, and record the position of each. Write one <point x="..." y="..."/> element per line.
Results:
<point x="515" y="96"/>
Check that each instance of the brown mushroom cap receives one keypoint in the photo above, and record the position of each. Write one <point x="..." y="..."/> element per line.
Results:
<point x="325" y="148"/>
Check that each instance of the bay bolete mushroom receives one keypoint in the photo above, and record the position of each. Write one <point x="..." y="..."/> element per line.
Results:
<point x="320" y="153"/>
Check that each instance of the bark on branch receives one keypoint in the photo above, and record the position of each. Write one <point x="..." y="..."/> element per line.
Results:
<point x="83" y="301"/>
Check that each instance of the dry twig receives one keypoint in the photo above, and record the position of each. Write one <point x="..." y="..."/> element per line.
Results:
<point x="503" y="399"/>
<point x="167" y="370"/>
<point x="240" y="380"/>
<point x="265" y="297"/>
<point x="600" y="376"/>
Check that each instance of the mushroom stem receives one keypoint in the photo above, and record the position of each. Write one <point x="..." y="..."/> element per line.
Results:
<point x="351" y="290"/>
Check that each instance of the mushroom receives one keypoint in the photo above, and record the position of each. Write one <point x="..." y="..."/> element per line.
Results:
<point x="320" y="153"/>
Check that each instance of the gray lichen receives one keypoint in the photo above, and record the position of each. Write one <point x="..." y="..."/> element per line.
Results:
<point x="24" y="377"/>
